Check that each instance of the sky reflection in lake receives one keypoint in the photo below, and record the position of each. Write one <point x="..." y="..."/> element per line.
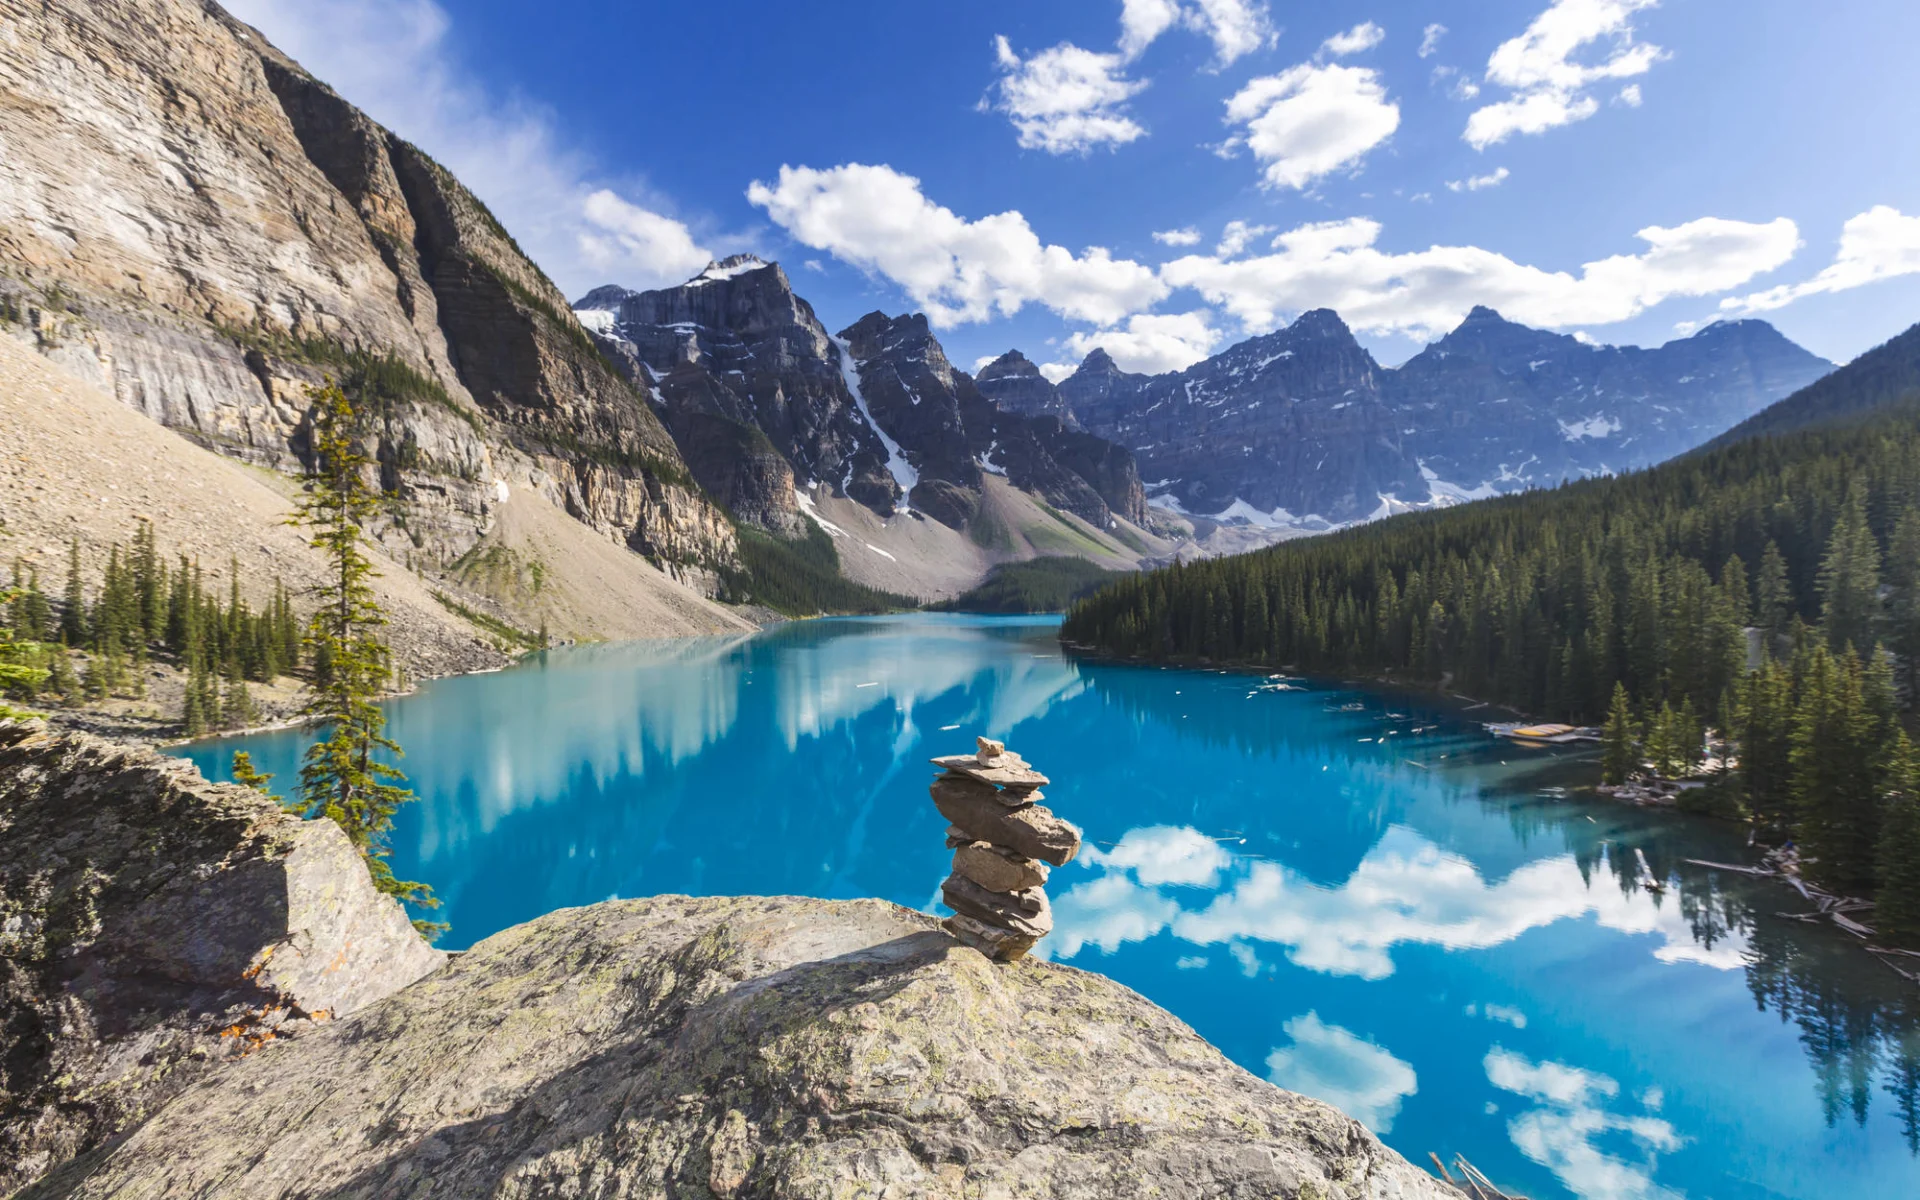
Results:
<point x="1358" y="896"/>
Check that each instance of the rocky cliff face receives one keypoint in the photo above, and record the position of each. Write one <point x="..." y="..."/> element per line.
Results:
<point x="154" y="926"/>
<point x="953" y="433"/>
<point x="1014" y="383"/>
<point x="759" y="395"/>
<point x="742" y="365"/>
<point x="1302" y="428"/>
<point x="732" y="1048"/>
<point x="199" y="225"/>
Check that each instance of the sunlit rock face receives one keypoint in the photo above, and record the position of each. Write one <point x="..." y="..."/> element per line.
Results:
<point x="773" y="1048"/>
<point x="1300" y="427"/>
<point x="207" y="231"/>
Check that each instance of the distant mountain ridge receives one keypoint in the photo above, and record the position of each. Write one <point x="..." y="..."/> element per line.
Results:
<point x="1886" y="375"/>
<point x="1302" y="429"/>
<point x="764" y="401"/>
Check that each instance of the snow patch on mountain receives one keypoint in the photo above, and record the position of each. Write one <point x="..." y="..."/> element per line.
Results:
<point x="897" y="464"/>
<point x="1591" y="427"/>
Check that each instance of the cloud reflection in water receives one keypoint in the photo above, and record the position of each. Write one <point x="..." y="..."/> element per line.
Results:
<point x="1405" y="890"/>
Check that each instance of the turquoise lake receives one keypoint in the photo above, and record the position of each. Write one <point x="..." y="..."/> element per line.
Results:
<point x="1358" y="895"/>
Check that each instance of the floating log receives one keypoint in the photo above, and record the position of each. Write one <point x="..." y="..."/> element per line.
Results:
<point x="1851" y="926"/>
<point x="1763" y="872"/>
<point x="1646" y="877"/>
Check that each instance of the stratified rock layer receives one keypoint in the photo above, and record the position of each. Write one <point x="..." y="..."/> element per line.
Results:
<point x="769" y="1048"/>
<point x="154" y="925"/>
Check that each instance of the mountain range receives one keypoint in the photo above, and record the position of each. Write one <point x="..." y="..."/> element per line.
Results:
<point x="1302" y="429"/>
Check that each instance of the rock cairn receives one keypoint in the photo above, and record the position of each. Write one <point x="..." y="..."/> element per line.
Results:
<point x="1003" y="841"/>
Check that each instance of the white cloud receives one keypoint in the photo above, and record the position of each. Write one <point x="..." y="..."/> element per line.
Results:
<point x="391" y="58"/>
<point x="1880" y="243"/>
<point x="1149" y="343"/>
<point x="1364" y="36"/>
<point x="1335" y="264"/>
<point x="1474" y="183"/>
<point x="1312" y="120"/>
<point x="1190" y="236"/>
<point x="1143" y="21"/>
<point x="1430" y="39"/>
<point x="1070" y="100"/>
<point x="1237" y="236"/>
<point x="1539" y="67"/>
<point x="1236" y="27"/>
<point x="1629" y="96"/>
<point x="621" y="233"/>
<point x="1066" y="100"/>
<point x="1564" y="1132"/>
<point x="1055" y="372"/>
<point x="1333" y="1064"/>
<point x="877" y="219"/>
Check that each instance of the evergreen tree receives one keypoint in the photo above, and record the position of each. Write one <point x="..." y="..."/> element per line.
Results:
<point x="1896" y="913"/>
<point x="73" y="604"/>
<point x="32" y="616"/>
<point x="1774" y="605"/>
<point x="195" y="720"/>
<point x="237" y="709"/>
<point x="61" y="679"/>
<point x="1850" y="581"/>
<point x="20" y="672"/>
<point x="1620" y="756"/>
<point x="246" y="775"/>
<point x="1764" y="724"/>
<point x="1903" y="618"/>
<point x="343" y="777"/>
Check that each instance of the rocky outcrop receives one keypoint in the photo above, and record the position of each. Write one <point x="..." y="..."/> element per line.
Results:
<point x="1301" y="428"/>
<point x="154" y="926"/>
<point x="1014" y="383"/>
<point x="194" y="222"/>
<point x="732" y="1048"/>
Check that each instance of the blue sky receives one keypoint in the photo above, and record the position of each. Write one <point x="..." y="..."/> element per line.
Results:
<point x="1621" y="169"/>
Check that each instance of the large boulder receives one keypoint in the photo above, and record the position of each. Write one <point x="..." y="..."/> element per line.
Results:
<point x="758" y="1047"/>
<point x="154" y="926"/>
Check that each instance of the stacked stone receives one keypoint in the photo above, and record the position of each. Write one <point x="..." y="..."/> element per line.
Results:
<point x="1003" y="841"/>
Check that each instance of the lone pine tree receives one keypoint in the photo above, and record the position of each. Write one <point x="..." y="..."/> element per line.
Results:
<point x="343" y="776"/>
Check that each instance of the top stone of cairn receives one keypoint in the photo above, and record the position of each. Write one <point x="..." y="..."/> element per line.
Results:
<point x="994" y="763"/>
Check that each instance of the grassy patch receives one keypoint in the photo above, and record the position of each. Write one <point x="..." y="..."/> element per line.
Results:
<point x="801" y="577"/>
<point x="494" y="625"/>
<point x="1038" y="585"/>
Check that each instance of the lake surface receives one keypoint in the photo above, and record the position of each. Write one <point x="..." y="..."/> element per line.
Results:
<point x="1360" y="896"/>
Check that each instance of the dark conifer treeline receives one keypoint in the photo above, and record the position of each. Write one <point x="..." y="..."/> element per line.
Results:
<point x="1646" y="598"/>
<point x="138" y="608"/>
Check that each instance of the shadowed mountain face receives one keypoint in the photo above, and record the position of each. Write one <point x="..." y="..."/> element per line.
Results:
<point x="1886" y="375"/>
<point x="760" y="397"/>
<point x="1302" y="424"/>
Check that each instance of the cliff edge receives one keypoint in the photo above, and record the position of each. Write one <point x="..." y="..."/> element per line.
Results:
<point x="154" y="926"/>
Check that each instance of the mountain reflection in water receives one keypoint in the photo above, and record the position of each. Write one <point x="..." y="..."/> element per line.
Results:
<point x="1360" y="896"/>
